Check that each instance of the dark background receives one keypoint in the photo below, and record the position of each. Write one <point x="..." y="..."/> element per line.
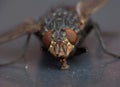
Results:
<point x="92" y="69"/>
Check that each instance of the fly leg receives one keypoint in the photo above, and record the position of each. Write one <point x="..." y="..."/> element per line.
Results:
<point x="64" y="64"/>
<point x="98" y="34"/>
<point x="28" y="27"/>
<point x="80" y="50"/>
<point x="44" y="49"/>
<point x="23" y="54"/>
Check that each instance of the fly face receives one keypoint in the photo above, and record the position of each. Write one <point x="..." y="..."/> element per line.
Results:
<point x="60" y="43"/>
<point x="61" y="48"/>
<point x="60" y="32"/>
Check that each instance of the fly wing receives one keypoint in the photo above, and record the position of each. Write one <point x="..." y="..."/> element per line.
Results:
<point x="29" y="26"/>
<point x="88" y="7"/>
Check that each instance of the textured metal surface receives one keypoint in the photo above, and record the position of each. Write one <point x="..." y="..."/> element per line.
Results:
<point x="93" y="69"/>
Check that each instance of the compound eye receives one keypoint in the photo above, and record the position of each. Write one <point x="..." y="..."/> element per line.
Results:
<point x="46" y="39"/>
<point x="71" y="36"/>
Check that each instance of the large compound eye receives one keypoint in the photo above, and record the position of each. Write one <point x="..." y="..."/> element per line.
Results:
<point x="71" y="36"/>
<point x="46" y="39"/>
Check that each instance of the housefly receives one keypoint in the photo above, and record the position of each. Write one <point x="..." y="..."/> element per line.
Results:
<point x="61" y="31"/>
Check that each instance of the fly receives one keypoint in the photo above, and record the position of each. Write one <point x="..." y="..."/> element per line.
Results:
<point x="61" y="31"/>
